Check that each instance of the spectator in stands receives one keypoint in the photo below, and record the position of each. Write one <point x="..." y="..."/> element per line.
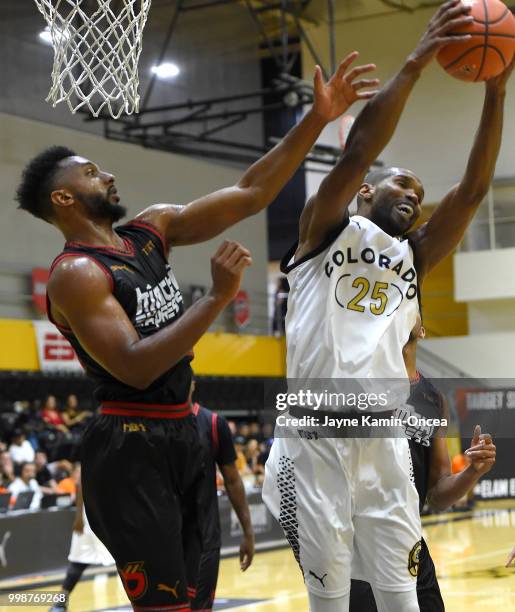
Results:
<point x="27" y="482"/>
<point x="232" y="427"/>
<point x="241" y="460"/>
<point x="244" y="431"/>
<point x="21" y="450"/>
<point x="6" y="470"/>
<point x="252" y="455"/>
<point x="71" y="474"/>
<point x="51" y="415"/>
<point x="73" y="417"/>
<point x="264" y="451"/>
<point x="46" y="481"/>
<point x="255" y="432"/>
<point x="268" y="433"/>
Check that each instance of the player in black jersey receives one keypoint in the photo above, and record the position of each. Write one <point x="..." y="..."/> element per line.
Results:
<point x="112" y="293"/>
<point x="218" y="446"/>
<point x="432" y="473"/>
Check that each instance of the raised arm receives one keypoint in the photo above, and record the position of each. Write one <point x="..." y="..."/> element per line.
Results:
<point x="210" y="215"/>
<point x="372" y="131"/>
<point x="444" y="230"/>
<point x="81" y="297"/>
<point x="445" y="488"/>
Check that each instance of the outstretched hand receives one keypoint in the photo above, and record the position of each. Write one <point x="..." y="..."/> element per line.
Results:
<point x="481" y="452"/>
<point x="333" y="98"/>
<point x="450" y="16"/>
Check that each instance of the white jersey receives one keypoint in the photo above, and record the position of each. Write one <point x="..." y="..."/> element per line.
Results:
<point x="347" y="504"/>
<point x="351" y="306"/>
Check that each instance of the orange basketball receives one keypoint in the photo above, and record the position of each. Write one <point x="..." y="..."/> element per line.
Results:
<point x="491" y="48"/>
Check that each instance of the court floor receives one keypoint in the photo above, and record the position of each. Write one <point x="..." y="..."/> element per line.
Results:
<point x="469" y="550"/>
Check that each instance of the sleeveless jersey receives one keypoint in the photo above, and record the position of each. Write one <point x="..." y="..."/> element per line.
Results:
<point x="208" y="497"/>
<point x="352" y="304"/>
<point x="142" y="281"/>
<point x="216" y="439"/>
<point x="427" y="402"/>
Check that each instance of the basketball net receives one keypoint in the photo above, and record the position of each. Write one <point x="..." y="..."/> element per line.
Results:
<point x="96" y="53"/>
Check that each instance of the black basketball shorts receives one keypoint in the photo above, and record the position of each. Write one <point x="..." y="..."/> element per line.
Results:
<point x="141" y="467"/>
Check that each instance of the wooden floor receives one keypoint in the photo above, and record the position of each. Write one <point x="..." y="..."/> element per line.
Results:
<point x="469" y="551"/>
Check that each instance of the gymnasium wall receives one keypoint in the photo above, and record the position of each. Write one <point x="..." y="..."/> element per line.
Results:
<point x="436" y="130"/>
<point x="143" y="177"/>
<point x="216" y="354"/>
<point x="486" y="355"/>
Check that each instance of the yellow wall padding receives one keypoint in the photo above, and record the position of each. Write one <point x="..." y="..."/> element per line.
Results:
<point x="216" y="354"/>
<point x="18" y="349"/>
<point x="234" y="355"/>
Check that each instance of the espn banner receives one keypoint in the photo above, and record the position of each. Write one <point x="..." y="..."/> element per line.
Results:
<point x="55" y="353"/>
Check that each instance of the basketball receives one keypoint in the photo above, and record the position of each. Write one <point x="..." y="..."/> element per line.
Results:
<point x="491" y="48"/>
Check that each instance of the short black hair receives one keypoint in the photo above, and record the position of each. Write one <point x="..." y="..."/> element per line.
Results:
<point x="375" y="176"/>
<point x="33" y="193"/>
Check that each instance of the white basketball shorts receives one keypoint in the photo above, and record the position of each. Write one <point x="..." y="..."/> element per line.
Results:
<point x="348" y="507"/>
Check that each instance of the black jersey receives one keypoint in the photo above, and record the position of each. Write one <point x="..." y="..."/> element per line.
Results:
<point x="216" y="440"/>
<point x="427" y="402"/>
<point x="142" y="281"/>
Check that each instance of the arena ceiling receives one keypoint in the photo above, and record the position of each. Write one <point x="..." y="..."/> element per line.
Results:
<point x="216" y="43"/>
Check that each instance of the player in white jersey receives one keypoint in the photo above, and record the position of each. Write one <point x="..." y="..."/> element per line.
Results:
<point x="348" y="504"/>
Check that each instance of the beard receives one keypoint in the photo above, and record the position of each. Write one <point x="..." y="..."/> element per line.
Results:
<point x="386" y="218"/>
<point x="100" y="208"/>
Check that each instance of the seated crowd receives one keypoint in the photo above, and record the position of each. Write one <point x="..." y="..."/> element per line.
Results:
<point x="252" y="442"/>
<point x="38" y="449"/>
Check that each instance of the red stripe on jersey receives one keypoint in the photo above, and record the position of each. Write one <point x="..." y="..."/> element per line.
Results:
<point x="149" y="414"/>
<point x="104" y="268"/>
<point x="173" y="608"/>
<point x="155" y="231"/>
<point x="129" y="247"/>
<point x="214" y="431"/>
<point x="116" y="403"/>
<point x="57" y="260"/>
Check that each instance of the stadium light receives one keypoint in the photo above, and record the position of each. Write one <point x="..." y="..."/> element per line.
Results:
<point x="46" y="37"/>
<point x="167" y="70"/>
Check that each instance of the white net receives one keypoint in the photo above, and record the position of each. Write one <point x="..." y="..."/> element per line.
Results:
<point x="97" y="44"/>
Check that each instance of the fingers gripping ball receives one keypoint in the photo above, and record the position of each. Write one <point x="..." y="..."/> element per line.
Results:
<point x="490" y="48"/>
